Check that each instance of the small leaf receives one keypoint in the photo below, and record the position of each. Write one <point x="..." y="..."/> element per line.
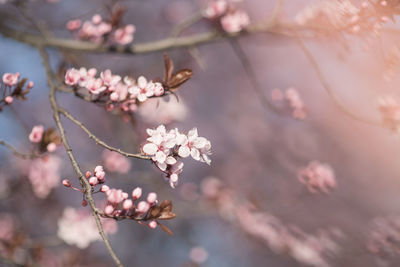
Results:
<point x="179" y="78"/>
<point x="166" y="216"/>
<point x="169" y="67"/>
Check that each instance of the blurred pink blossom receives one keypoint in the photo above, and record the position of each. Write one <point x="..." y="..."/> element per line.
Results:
<point x="44" y="175"/>
<point x="317" y="177"/>
<point x="115" y="162"/>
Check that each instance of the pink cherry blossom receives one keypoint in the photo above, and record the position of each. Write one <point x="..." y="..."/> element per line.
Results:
<point x="10" y="79"/>
<point x="195" y="146"/>
<point x="95" y="86"/>
<point x="44" y="175"/>
<point x="73" y="25"/>
<point x="215" y="9"/>
<point x="317" y="176"/>
<point x="235" y="22"/>
<point x="124" y="35"/>
<point x="72" y="77"/>
<point x="143" y="89"/>
<point x="109" y="79"/>
<point x="36" y="134"/>
<point x="8" y="99"/>
<point x="115" y="196"/>
<point x="78" y="227"/>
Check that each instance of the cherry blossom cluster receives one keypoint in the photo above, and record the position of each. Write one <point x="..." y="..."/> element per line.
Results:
<point x="390" y="112"/>
<point x="292" y="97"/>
<point x="99" y="30"/>
<point x="384" y="237"/>
<point x="78" y="227"/>
<point x="12" y="86"/>
<point x="120" y="206"/>
<point x="345" y="16"/>
<point x="47" y="140"/>
<point x="232" y="20"/>
<point x="44" y="175"/>
<point x="166" y="147"/>
<point x="124" y="93"/>
<point x="317" y="177"/>
<point x="308" y="249"/>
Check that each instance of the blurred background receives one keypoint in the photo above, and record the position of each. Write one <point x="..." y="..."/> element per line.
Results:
<point x="259" y="213"/>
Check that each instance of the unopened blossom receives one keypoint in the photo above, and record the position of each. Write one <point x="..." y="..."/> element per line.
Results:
<point x="78" y="227"/>
<point x="235" y="22"/>
<point x="124" y="35"/>
<point x="153" y="224"/>
<point x="390" y="112"/>
<point x="44" y="175"/>
<point x="152" y="198"/>
<point x="51" y="147"/>
<point x="36" y="134"/>
<point x="115" y="162"/>
<point x="318" y="177"/>
<point x="99" y="173"/>
<point x="73" y="25"/>
<point x="10" y="79"/>
<point x="215" y="9"/>
<point x="115" y="196"/>
<point x="137" y="193"/>
<point x="9" y="99"/>
<point x="142" y="207"/>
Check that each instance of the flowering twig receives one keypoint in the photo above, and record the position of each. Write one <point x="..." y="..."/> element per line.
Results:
<point x="98" y="140"/>
<point x="84" y="183"/>
<point x="326" y="86"/>
<point x="16" y="152"/>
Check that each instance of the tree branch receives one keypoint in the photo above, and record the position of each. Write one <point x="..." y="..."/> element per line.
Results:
<point x="98" y="140"/>
<point x="84" y="183"/>
<point x="326" y="86"/>
<point x="17" y="153"/>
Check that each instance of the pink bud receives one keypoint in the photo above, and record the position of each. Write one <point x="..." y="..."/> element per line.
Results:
<point x="104" y="188"/>
<point x="98" y="168"/>
<point x="108" y="209"/>
<point x="93" y="181"/>
<point x="88" y="174"/>
<point x="8" y="99"/>
<point x="51" y="147"/>
<point x="152" y="224"/>
<point x="152" y="198"/>
<point x="30" y="85"/>
<point x="137" y="193"/>
<point x="142" y="207"/>
<point x="84" y="203"/>
<point x="96" y="19"/>
<point x="127" y="204"/>
<point x="66" y="183"/>
<point x="125" y="195"/>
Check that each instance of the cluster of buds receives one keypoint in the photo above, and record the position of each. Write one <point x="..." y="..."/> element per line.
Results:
<point x="47" y="140"/>
<point x="231" y="19"/>
<point x="293" y="99"/>
<point x="390" y="111"/>
<point x="345" y="17"/>
<point x="317" y="177"/>
<point x="165" y="147"/>
<point x="12" y="87"/>
<point x="120" y="206"/>
<point x="125" y="94"/>
<point x="99" y="30"/>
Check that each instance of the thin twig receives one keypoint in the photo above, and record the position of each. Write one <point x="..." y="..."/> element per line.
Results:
<point x="16" y="152"/>
<point x="98" y="140"/>
<point x="191" y="20"/>
<point x="327" y="87"/>
<point x="84" y="183"/>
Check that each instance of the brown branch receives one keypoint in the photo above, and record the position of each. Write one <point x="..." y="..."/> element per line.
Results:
<point x="16" y="152"/>
<point x="327" y="87"/>
<point x="84" y="183"/>
<point x="98" y="140"/>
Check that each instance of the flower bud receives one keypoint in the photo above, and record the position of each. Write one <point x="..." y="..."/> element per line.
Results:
<point x="137" y="193"/>
<point x="66" y="183"/>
